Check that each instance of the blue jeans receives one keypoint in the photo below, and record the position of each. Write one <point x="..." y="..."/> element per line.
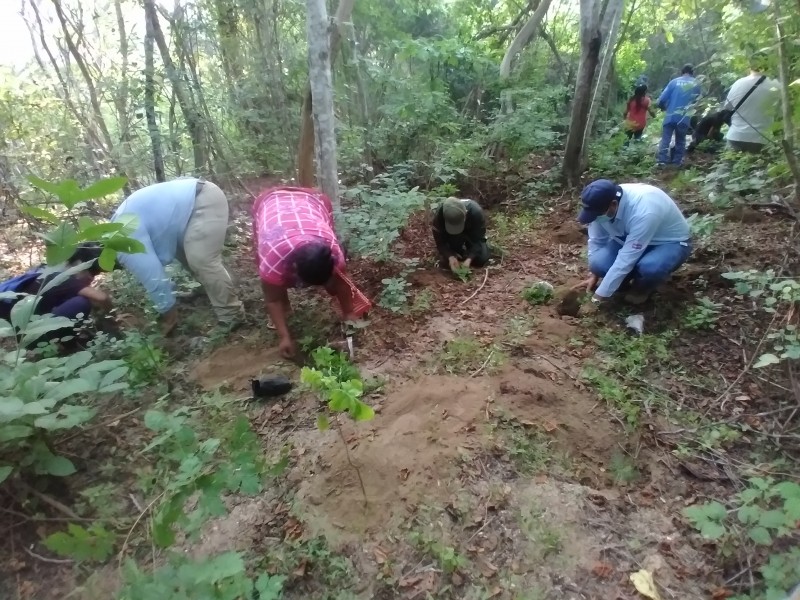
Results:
<point x="678" y="129"/>
<point x="654" y="266"/>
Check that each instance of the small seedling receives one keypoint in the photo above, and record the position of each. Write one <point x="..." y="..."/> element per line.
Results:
<point x="537" y="294"/>
<point x="395" y="294"/>
<point x="463" y="273"/>
<point x="702" y="315"/>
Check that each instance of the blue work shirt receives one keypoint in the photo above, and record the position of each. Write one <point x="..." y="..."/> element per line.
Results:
<point x="646" y="216"/>
<point x="163" y="211"/>
<point x="677" y="98"/>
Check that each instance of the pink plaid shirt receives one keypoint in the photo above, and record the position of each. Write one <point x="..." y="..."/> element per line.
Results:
<point x="285" y="218"/>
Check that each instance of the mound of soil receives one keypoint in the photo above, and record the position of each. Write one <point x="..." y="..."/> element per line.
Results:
<point x="235" y="365"/>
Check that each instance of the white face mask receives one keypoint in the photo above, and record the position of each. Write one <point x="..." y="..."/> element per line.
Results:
<point x="603" y="219"/>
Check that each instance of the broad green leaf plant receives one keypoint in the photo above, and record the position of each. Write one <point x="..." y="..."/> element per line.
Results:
<point x="761" y="518"/>
<point x="42" y="397"/>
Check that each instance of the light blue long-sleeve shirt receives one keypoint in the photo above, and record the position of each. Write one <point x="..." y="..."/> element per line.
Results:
<point x="646" y="216"/>
<point x="678" y="96"/>
<point x="163" y="211"/>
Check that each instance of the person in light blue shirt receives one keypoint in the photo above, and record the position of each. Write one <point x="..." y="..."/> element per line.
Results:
<point x="184" y="219"/>
<point x="677" y="100"/>
<point x="636" y="231"/>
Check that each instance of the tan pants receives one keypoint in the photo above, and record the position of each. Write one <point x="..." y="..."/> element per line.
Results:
<point x="202" y="250"/>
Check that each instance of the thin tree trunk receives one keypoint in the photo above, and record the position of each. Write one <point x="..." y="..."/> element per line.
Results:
<point x="591" y="44"/>
<point x="305" y="153"/>
<point x="320" y="80"/>
<point x="123" y="93"/>
<point x="520" y="41"/>
<point x="87" y="77"/>
<point x="194" y="120"/>
<point x="608" y="31"/>
<point x="786" y="106"/>
<point x="523" y="38"/>
<point x="150" y="102"/>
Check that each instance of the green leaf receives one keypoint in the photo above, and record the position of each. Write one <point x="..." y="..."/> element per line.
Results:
<point x="748" y="514"/>
<point x="93" y="544"/>
<point x="95" y="232"/>
<point x="66" y="417"/>
<point x="9" y="433"/>
<point x="70" y="387"/>
<point x="791" y="507"/>
<point x="62" y="276"/>
<point x="339" y="400"/>
<point x="42" y="325"/>
<point x="23" y="310"/>
<point x="5" y="471"/>
<point x="765" y="360"/>
<point x="760" y="536"/>
<point x="11" y="408"/>
<point x="40" y="213"/>
<point x="221" y="567"/>
<point x="125" y="245"/>
<point x="772" y="519"/>
<point x="6" y="330"/>
<point x="60" y="466"/>
<point x="361" y="411"/>
<point x="61" y="243"/>
<point x="103" y="188"/>
<point x="45" y="186"/>
<point x="108" y="259"/>
<point x="112" y="377"/>
<point x="270" y="587"/>
<point x="323" y="423"/>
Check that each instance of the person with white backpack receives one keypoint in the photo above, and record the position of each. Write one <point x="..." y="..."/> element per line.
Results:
<point x="752" y="101"/>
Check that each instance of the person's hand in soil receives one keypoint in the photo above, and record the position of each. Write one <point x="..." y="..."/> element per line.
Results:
<point x="169" y="320"/>
<point x="589" y="284"/>
<point x="467" y="263"/>
<point x="453" y="262"/>
<point x="287" y="348"/>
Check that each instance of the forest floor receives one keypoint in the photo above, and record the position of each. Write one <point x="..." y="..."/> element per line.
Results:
<point x="516" y="454"/>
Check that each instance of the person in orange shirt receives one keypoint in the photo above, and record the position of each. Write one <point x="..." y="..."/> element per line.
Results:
<point x="635" y="114"/>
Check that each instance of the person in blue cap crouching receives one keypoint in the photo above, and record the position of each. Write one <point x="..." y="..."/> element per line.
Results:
<point x="636" y="232"/>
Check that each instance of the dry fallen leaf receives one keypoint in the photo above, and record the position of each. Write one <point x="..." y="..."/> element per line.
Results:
<point x="456" y="579"/>
<point x="602" y="570"/>
<point x="721" y="594"/>
<point x="644" y="584"/>
<point x="486" y="568"/>
<point x="380" y="555"/>
<point x="300" y="570"/>
<point x="404" y="473"/>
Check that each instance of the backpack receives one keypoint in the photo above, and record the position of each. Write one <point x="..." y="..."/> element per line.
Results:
<point x="20" y="281"/>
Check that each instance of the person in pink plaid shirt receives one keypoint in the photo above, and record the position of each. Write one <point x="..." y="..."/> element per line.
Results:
<point x="296" y="246"/>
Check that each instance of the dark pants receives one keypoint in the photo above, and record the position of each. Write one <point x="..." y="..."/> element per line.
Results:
<point x="72" y="308"/>
<point x="481" y="256"/>
<point x="633" y="134"/>
<point x="671" y="129"/>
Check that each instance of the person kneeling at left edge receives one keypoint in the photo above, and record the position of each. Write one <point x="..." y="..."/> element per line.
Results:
<point x="636" y="232"/>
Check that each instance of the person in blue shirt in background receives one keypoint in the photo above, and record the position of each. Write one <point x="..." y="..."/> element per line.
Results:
<point x="636" y="231"/>
<point x="676" y="100"/>
<point x="185" y="219"/>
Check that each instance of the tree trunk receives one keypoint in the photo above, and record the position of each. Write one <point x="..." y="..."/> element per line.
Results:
<point x="229" y="40"/>
<point x="320" y="80"/>
<point x="305" y="153"/>
<point x="608" y="32"/>
<point x="122" y="96"/>
<point x="591" y="43"/>
<point x="786" y="106"/>
<point x="520" y="41"/>
<point x="87" y="76"/>
<point x="150" y="102"/>
<point x="193" y="117"/>
<point x="93" y="98"/>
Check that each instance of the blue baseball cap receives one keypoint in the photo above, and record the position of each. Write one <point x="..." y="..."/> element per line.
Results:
<point x="596" y="199"/>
